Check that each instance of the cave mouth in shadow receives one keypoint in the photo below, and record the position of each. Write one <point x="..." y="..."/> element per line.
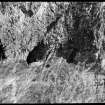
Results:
<point x="67" y="53"/>
<point x="74" y="53"/>
<point x="38" y="53"/>
<point x="2" y="52"/>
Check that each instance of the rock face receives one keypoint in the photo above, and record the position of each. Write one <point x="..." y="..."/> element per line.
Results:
<point x="38" y="53"/>
<point x="79" y="30"/>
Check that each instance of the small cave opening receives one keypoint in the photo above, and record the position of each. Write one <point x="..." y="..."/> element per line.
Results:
<point x="2" y="52"/>
<point x="81" y="34"/>
<point x="38" y="53"/>
<point x="48" y="65"/>
<point x="68" y="52"/>
<point x="79" y="48"/>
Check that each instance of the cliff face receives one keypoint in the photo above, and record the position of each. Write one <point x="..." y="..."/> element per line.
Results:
<point x="74" y="25"/>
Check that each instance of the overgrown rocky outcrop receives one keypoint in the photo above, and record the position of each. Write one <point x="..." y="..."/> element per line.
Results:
<point x="52" y="52"/>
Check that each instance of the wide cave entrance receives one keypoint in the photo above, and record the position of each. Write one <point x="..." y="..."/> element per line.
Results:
<point x="80" y="45"/>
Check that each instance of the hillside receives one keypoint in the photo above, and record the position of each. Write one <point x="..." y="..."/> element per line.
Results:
<point x="52" y="52"/>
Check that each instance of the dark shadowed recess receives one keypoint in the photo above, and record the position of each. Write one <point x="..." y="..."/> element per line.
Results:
<point x="70" y="50"/>
<point x="2" y="52"/>
<point x="26" y="12"/>
<point x="67" y="52"/>
<point x="81" y="42"/>
<point x="38" y="52"/>
<point x="80" y="33"/>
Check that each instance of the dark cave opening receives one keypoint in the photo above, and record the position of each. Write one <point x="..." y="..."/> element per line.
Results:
<point x="68" y="52"/>
<point x="38" y="53"/>
<point x="2" y="52"/>
<point x="82" y="42"/>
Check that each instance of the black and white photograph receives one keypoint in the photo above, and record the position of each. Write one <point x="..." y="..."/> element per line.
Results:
<point x="52" y="52"/>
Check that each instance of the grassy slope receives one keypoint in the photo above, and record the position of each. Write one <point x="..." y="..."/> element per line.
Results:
<point x="61" y="82"/>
